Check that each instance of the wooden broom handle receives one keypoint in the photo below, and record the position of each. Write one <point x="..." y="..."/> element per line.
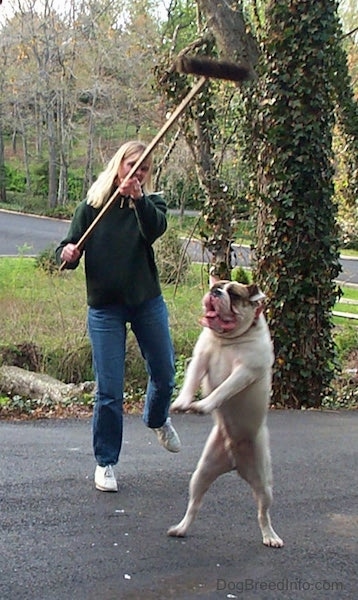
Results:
<point x="175" y="115"/>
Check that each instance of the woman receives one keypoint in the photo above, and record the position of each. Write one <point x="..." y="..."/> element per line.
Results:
<point x="123" y="287"/>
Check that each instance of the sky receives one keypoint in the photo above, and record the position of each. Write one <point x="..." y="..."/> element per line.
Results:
<point x="8" y="7"/>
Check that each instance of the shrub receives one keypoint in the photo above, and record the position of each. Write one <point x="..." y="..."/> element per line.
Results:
<point x="348" y="231"/>
<point x="345" y="339"/>
<point x="172" y="260"/>
<point x="241" y="275"/>
<point x="71" y="364"/>
<point x="46" y="260"/>
<point x="15" y="179"/>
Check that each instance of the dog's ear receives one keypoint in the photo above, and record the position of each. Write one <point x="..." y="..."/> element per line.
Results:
<point x="255" y="294"/>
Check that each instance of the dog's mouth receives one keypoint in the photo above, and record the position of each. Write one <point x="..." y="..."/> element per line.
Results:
<point x="216" y="319"/>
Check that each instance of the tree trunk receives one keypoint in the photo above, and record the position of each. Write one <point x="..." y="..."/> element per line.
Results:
<point x="88" y="174"/>
<point x="227" y="23"/>
<point x="39" y="386"/>
<point x="218" y="206"/>
<point x="24" y="148"/>
<point x="2" y="166"/>
<point x="52" y="164"/>
<point x="62" y="192"/>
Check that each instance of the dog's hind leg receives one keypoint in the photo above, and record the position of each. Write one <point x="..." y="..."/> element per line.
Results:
<point x="254" y="465"/>
<point x="213" y="462"/>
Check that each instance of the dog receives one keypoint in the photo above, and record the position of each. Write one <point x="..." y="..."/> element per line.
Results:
<point x="232" y="362"/>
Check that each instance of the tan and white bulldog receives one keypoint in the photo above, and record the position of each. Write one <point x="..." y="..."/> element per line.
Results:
<point x="232" y="362"/>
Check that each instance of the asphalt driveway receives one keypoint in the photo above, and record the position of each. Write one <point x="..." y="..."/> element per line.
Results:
<point x="63" y="540"/>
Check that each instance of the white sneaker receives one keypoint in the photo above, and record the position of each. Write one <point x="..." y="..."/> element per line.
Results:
<point x="105" y="480"/>
<point x="168" y="437"/>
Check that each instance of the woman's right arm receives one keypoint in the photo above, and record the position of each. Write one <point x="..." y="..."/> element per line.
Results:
<point x="67" y="250"/>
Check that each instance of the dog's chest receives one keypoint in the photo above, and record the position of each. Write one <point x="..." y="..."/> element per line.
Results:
<point x="220" y="365"/>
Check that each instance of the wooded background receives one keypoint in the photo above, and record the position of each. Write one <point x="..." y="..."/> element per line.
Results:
<point x="79" y="78"/>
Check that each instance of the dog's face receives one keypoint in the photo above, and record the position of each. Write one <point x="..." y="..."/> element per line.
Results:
<point x="230" y="308"/>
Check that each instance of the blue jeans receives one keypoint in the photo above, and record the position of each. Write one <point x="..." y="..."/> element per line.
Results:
<point x="107" y="327"/>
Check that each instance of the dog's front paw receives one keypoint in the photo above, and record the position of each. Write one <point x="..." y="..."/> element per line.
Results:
<point x="181" y="404"/>
<point x="201" y="406"/>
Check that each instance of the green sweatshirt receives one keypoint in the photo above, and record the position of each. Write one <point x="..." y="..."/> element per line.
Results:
<point x="119" y="258"/>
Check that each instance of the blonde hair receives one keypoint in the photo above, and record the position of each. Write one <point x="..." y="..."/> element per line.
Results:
<point x="100" y="190"/>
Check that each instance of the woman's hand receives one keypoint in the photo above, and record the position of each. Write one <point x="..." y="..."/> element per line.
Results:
<point x="131" y="188"/>
<point x="70" y="253"/>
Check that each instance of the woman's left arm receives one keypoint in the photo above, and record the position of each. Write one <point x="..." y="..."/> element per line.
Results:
<point x="151" y="212"/>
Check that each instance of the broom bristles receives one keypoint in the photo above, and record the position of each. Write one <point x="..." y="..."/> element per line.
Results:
<point x="208" y="67"/>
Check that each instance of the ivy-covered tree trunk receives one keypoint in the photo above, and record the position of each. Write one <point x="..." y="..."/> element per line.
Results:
<point x="297" y="247"/>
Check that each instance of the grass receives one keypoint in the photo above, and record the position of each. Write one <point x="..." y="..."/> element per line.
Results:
<point x="38" y="307"/>
<point x="349" y="293"/>
<point x="349" y="252"/>
<point x="45" y="315"/>
<point x="348" y="303"/>
<point x="50" y="310"/>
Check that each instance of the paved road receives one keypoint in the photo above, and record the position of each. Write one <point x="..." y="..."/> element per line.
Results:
<point x="63" y="540"/>
<point x="30" y="235"/>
